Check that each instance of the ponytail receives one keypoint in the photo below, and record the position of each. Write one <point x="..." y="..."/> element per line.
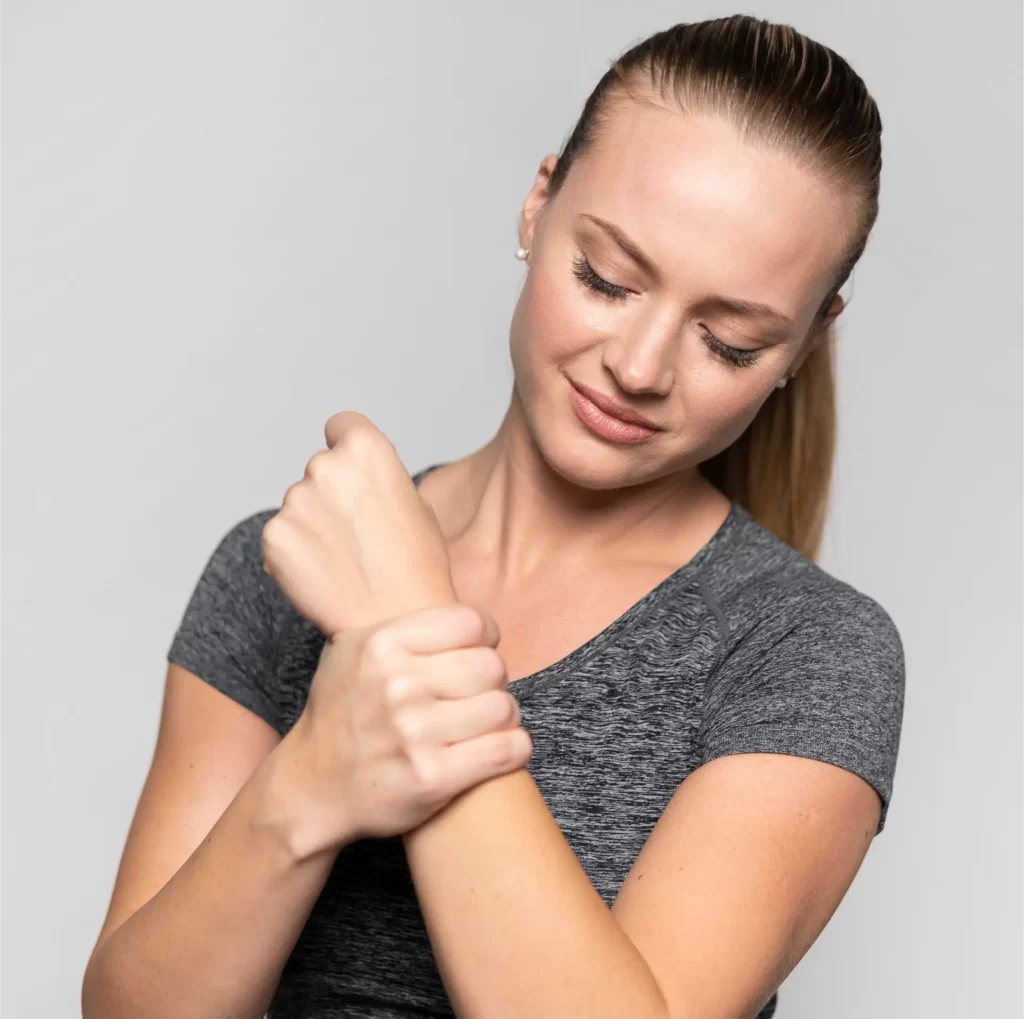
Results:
<point x="780" y="468"/>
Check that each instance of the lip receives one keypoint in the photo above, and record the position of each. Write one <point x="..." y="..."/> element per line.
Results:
<point x="609" y="419"/>
<point x="614" y="409"/>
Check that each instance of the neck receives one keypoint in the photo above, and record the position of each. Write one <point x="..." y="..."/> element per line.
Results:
<point x="509" y="513"/>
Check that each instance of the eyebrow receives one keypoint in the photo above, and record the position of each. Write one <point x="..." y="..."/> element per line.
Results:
<point x="734" y="305"/>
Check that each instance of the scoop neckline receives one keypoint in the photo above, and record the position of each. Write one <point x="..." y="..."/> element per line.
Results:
<point x="594" y="645"/>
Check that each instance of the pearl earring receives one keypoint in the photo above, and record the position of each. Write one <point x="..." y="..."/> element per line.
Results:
<point x="522" y="254"/>
<point x="781" y="384"/>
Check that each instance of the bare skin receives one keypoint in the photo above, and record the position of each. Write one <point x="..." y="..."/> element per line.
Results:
<point x="755" y="851"/>
<point x="540" y="615"/>
<point x="546" y="505"/>
<point x="520" y="524"/>
<point x="236" y="829"/>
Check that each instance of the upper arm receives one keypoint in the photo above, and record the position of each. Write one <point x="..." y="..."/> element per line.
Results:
<point x="799" y="734"/>
<point x="207" y="747"/>
<point x="740" y="875"/>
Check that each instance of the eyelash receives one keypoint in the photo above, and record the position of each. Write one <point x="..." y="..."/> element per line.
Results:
<point x="584" y="272"/>
<point x="734" y="355"/>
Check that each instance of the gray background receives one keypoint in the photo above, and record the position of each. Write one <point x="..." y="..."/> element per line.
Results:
<point x="226" y="221"/>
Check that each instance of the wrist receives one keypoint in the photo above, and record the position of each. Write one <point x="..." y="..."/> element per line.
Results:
<point x="286" y="792"/>
<point x="429" y="586"/>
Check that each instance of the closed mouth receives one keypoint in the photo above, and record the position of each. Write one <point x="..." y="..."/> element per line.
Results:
<point x="614" y="409"/>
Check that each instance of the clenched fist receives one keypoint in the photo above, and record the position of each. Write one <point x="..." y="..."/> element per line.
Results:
<point x="354" y="543"/>
<point x="409" y="705"/>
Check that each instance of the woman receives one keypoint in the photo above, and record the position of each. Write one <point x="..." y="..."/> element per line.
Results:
<point x="572" y="726"/>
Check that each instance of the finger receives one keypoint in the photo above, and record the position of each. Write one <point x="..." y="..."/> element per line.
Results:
<point x="343" y="423"/>
<point x="461" y="766"/>
<point x="492" y="633"/>
<point x="442" y="628"/>
<point x="463" y="672"/>
<point x="443" y="722"/>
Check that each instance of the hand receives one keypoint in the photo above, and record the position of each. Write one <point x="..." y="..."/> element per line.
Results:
<point x="354" y="543"/>
<point x="401" y="718"/>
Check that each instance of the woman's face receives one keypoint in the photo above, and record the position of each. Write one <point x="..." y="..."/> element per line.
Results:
<point x="709" y="218"/>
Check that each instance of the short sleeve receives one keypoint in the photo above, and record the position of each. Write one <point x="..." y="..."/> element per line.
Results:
<point x="827" y="684"/>
<point x="228" y="633"/>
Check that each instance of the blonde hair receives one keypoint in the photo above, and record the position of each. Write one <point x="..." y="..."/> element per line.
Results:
<point x="783" y="90"/>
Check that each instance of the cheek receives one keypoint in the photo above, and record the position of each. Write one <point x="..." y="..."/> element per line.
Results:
<point x="721" y="403"/>
<point x="552" y="321"/>
<point x="723" y="394"/>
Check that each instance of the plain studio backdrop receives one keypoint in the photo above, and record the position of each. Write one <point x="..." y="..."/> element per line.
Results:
<point x="226" y="221"/>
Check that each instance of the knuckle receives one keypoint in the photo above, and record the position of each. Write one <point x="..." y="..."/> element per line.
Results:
<point x="474" y="617"/>
<point x="427" y="770"/>
<point x="523" y="744"/>
<point x="493" y="665"/>
<point x="272" y="539"/>
<point x="503" y="706"/>
<point x="271" y="533"/>
<point x="410" y="725"/>
<point x="399" y="689"/>
<point x="382" y="644"/>
<point x="292" y="492"/>
<point x="484" y="664"/>
<point x="514" y="714"/>
<point x="294" y="503"/>
<point x="282" y="518"/>
<point x="318" y="468"/>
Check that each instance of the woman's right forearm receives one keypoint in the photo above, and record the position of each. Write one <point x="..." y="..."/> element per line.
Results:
<point x="212" y="943"/>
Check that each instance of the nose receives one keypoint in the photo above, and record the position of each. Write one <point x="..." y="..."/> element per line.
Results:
<point x="643" y="359"/>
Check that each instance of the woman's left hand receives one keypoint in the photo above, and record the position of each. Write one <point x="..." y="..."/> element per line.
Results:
<point x="354" y="543"/>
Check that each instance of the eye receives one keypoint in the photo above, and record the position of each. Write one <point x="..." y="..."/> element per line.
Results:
<point x="584" y="272"/>
<point x="732" y="355"/>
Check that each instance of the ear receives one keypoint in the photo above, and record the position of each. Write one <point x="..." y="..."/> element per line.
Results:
<point x="535" y="201"/>
<point x="819" y="331"/>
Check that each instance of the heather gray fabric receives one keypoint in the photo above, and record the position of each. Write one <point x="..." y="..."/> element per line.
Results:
<point x="749" y="647"/>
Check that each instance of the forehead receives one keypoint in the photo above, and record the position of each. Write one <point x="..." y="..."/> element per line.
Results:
<point x="705" y="205"/>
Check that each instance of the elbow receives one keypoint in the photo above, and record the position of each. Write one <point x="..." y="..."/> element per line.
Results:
<point x="103" y="995"/>
<point x="94" y="1001"/>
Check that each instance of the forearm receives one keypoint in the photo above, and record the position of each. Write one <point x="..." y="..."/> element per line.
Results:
<point x="213" y="941"/>
<point x="516" y="926"/>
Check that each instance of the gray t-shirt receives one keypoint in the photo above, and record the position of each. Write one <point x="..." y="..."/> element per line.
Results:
<point x="749" y="647"/>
